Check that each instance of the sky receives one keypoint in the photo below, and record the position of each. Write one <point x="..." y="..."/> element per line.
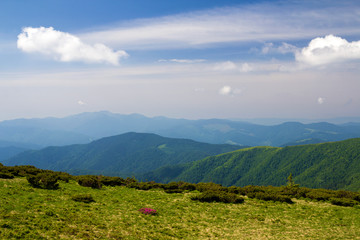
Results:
<point x="180" y="58"/>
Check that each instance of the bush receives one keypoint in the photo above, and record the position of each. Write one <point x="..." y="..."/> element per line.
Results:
<point x="320" y="194"/>
<point x="89" y="181"/>
<point x="347" y="194"/>
<point x="218" y="196"/>
<point x="270" y="197"/>
<point x="64" y="176"/>
<point x="210" y="186"/>
<point x="173" y="190"/>
<point x="187" y="186"/>
<point x="113" y="181"/>
<point x="236" y="190"/>
<point x="251" y="189"/>
<point x="24" y="170"/>
<point x="44" y="180"/>
<point x="85" y="198"/>
<point x="6" y="175"/>
<point x="343" y="202"/>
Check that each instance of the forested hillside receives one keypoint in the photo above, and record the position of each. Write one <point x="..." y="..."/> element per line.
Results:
<point x="121" y="155"/>
<point x="334" y="165"/>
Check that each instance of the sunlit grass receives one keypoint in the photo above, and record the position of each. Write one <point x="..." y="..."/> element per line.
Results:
<point x="32" y="213"/>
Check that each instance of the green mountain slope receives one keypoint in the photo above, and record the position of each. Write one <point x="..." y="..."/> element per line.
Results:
<point x="120" y="155"/>
<point x="334" y="165"/>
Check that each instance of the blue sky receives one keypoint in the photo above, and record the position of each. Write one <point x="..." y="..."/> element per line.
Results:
<point x="180" y="58"/>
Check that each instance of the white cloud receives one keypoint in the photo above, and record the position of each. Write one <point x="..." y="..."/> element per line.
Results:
<point x="259" y="22"/>
<point x="183" y="60"/>
<point x="321" y="100"/>
<point x="245" y="67"/>
<point x="287" y="48"/>
<point x="327" y="50"/>
<point x="231" y="66"/>
<point x="229" y="91"/>
<point x="81" y="103"/>
<point x="65" y="47"/>
<point x="225" y="66"/>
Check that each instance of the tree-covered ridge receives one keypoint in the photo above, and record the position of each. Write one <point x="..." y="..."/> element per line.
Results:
<point x="120" y="155"/>
<point x="334" y="165"/>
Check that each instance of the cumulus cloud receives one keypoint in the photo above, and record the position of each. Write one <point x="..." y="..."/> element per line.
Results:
<point x="65" y="47"/>
<point x="328" y="49"/>
<point x="182" y="60"/>
<point x="231" y="66"/>
<point x="229" y="91"/>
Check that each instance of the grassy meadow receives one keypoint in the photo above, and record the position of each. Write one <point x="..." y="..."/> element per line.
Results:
<point x="35" y="213"/>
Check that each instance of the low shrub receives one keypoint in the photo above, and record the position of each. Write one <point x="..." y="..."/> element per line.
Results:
<point x="171" y="185"/>
<point x="270" y="197"/>
<point x="345" y="202"/>
<point x="173" y="190"/>
<point x="63" y="176"/>
<point x="90" y="181"/>
<point x="6" y="175"/>
<point x="218" y="196"/>
<point x="85" y="198"/>
<point x="44" y="180"/>
<point x="187" y="186"/>
<point x="320" y="194"/>
<point x="251" y="189"/>
<point x="113" y="181"/>
<point x="24" y="170"/>
<point x="210" y="186"/>
<point x="347" y="194"/>
<point x="236" y="190"/>
<point x="129" y="180"/>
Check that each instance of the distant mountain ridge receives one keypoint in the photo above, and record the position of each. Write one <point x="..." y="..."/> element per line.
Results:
<point x="333" y="165"/>
<point x="86" y="127"/>
<point x="121" y="155"/>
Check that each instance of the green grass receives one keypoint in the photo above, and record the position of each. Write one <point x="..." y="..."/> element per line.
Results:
<point x="33" y="213"/>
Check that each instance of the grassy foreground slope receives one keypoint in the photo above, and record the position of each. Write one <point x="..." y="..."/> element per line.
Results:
<point x="334" y="165"/>
<point x="33" y="213"/>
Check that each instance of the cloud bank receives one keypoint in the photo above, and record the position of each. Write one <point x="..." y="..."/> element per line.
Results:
<point x="328" y="49"/>
<point x="231" y="66"/>
<point x="65" y="47"/>
<point x="228" y="25"/>
<point x="183" y="60"/>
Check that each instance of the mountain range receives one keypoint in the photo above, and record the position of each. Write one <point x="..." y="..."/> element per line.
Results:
<point x="86" y="127"/>
<point x="150" y="157"/>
